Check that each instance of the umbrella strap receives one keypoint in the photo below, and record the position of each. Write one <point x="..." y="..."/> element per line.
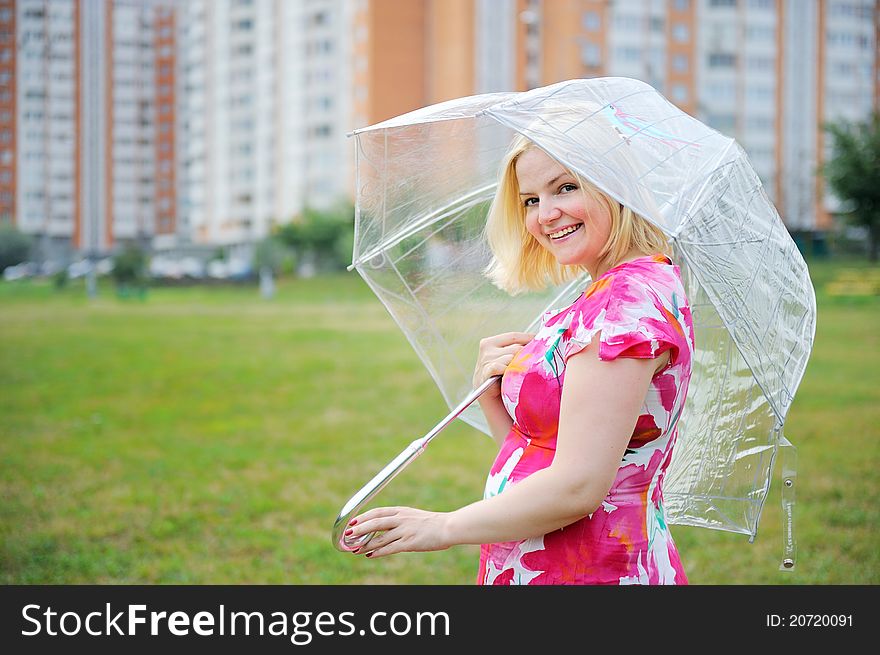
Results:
<point x="788" y="461"/>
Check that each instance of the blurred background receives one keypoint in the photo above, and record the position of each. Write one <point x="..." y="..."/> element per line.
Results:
<point x="188" y="377"/>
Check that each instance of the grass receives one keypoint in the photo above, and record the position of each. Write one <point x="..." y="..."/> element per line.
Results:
<point x="204" y="435"/>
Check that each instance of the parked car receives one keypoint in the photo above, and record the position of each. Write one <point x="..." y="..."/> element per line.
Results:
<point x="19" y="271"/>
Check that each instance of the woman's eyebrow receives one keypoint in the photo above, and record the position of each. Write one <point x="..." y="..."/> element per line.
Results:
<point x="550" y="183"/>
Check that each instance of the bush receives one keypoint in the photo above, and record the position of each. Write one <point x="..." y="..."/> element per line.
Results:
<point x="324" y="237"/>
<point x="274" y="254"/>
<point x="130" y="268"/>
<point x="15" y="246"/>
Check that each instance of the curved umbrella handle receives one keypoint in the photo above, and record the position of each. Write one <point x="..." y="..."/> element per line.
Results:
<point x="395" y="466"/>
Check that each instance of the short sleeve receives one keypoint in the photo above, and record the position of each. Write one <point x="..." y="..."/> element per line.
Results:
<point x="633" y="321"/>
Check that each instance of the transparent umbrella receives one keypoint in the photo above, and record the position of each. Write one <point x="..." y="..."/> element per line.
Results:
<point x="424" y="184"/>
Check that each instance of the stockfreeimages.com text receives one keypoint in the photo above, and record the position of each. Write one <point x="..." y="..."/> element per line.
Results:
<point x="300" y="627"/>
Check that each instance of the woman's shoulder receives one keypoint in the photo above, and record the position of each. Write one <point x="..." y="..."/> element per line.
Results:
<point x="656" y="280"/>
<point x="646" y="281"/>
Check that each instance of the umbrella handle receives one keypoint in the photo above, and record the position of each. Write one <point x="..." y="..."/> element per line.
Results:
<point x="395" y="466"/>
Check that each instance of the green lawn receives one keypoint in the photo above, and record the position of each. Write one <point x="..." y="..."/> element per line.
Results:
<point x="204" y="435"/>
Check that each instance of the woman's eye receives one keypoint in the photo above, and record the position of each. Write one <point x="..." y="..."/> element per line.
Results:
<point x="565" y="188"/>
<point x="528" y="202"/>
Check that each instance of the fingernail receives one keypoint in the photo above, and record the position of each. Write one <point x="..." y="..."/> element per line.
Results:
<point x="369" y="554"/>
<point x="356" y="550"/>
<point x="348" y="532"/>
<point x="352" y="522"/>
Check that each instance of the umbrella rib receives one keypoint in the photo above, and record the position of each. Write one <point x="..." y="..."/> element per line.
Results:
<point x="452" y="217"/>
<point x="450" y="306"/>
<point x="768" y="476"/>
<point x="710" y="497"/>
<point x="427" y="322"/>
<point x="719" y="401"/>
<point x="804" y="318"/>
<point x="442" y="271"/>
<point x="663" y="161"/>
<point x="608" y="104"/>
<point x="686" y="215"/>
<point x="436" y="215"/>
<point x="720" y="243"/>
<point x="746" y="326"/>
<point x="767" y="240"/>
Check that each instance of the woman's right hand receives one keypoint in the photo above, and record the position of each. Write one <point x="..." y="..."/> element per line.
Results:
<point x="495" y="355"/>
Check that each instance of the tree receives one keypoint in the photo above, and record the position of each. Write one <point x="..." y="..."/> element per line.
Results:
<point x="854" y="173"/>
<point x="322" y="236"/>
<point x="15" y="247"/>
<point x="270" y="256"/>
<point x="130" y="270"/>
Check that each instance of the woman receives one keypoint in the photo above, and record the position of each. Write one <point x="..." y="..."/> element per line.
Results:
<point x="586" y="414"/>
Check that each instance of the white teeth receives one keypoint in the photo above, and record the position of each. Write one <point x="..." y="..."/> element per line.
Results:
<point x="563" y="232"/>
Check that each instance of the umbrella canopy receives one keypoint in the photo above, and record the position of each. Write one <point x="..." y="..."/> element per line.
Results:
<point x="424" y="184"/>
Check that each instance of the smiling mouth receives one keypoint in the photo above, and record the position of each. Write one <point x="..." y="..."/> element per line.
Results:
<point x="564" y="232"/>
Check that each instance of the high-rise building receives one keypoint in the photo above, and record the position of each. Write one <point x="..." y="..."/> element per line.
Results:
<point x="766" y="72"/>
<point x="207" y="122"/>
<point x="265" y="106"/>
<point x="8" y="107"/>
<point x="43" y="87"/>
<point x="80" y="157"/>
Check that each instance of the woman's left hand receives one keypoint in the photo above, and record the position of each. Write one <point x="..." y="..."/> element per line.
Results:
<point x="401" y="529"/>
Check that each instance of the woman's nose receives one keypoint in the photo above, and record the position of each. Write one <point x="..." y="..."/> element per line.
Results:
<point x="548" y="211"/>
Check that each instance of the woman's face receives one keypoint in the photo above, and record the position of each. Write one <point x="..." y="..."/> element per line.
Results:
<point x="564" y="219"/>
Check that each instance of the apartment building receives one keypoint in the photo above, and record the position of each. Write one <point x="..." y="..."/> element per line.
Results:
<point x="265" y="107"/>
<point x="766" y="72"/>
<point x="78" y="103"/>
<point x="206" y="122"/>
<point x="44" y="100"/>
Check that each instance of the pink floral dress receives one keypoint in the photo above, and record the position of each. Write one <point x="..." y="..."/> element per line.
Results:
<point x="641" y="309"/>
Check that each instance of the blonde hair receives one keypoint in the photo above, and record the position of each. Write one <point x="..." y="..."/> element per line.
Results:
<point x="520" y="263"/>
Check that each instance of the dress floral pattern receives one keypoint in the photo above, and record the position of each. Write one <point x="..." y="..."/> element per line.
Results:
<point x="641" y="310"/>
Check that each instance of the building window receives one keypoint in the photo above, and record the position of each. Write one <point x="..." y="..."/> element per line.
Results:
<point x="591" y="55"/>
<point x="592" y="22"/>
<point x="760" y="63"/>
<point x="722" y="3"/>
<point x="722" y="60"/>
<point x="680" y="63"/>
<point x="321" y="130"/>
<point x="629" y="54"/>
<point x="682" y="5"/>
<point x="760" y="123"/>
<point x="759" y="93"/>
<point x="760" y="33"/>
<point x="722" y="91"/>
<point x="680" y="33"/>
<point x="679" y="93"/>
<point x="722" y="122"/>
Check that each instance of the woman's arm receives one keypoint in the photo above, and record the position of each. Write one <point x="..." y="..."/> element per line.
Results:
<point x="601" y="402"/>
<point x="493" y="358"/>
<point x="497" y="416"/>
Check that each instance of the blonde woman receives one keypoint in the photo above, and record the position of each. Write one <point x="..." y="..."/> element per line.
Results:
<point x="587" y="411"/>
